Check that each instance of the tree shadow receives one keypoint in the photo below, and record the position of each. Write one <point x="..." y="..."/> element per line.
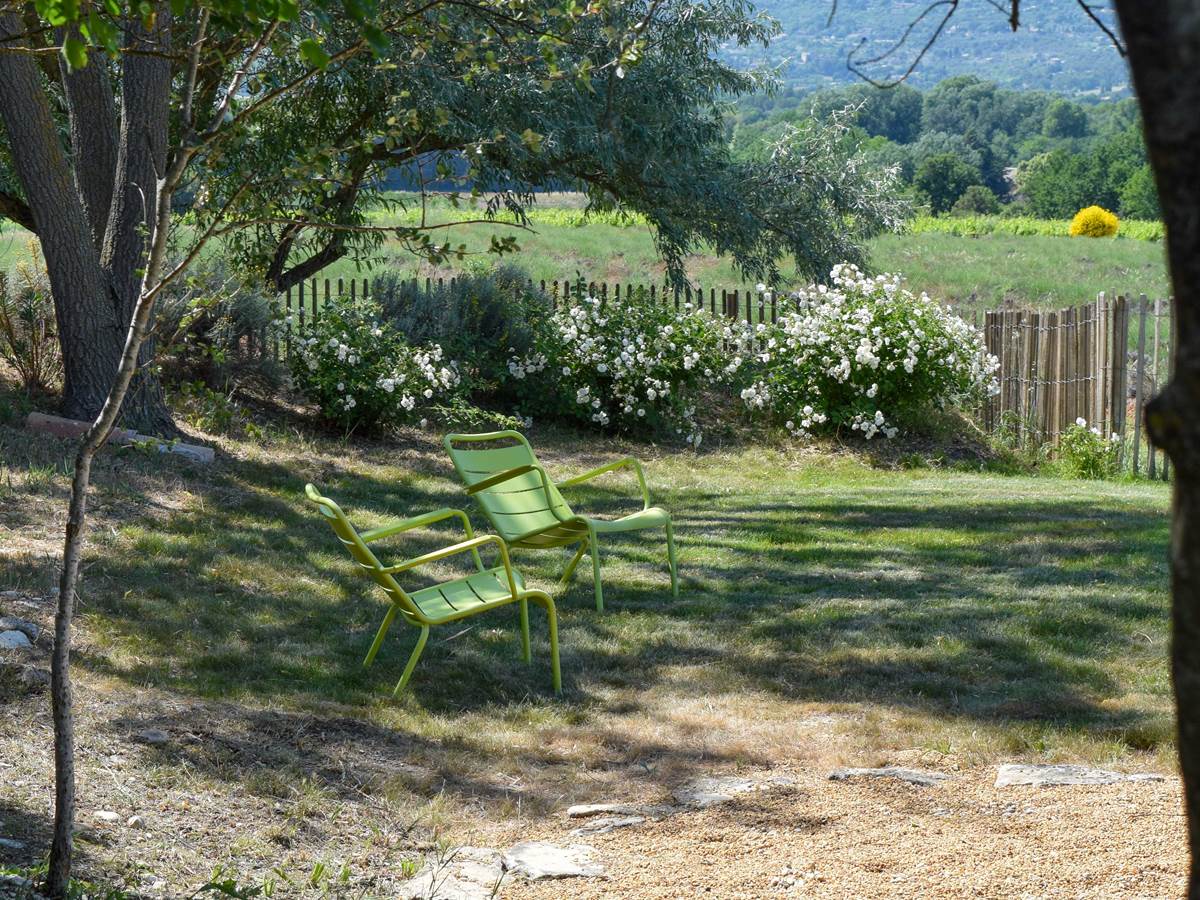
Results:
<point x="987" y="609"/>
<point x="26" y="835"/>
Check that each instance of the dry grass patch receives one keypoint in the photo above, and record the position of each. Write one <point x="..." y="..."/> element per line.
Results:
<point x="830" y="614"/>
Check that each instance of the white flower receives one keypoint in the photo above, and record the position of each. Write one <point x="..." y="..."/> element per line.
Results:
<point x="1081" y="422"/>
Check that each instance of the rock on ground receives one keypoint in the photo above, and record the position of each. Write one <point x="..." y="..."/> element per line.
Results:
<point x="1016" y="774"/>
<point x="14" y="640"/>
<point x="602" y="824"/>
<point x="921" y="777"/>
<point x="706" y="791"/>
<point x="468" y="873"/>
<point x="29" y="629"/>
<point x="536" y="860"/>
<point x="153" y="736"/>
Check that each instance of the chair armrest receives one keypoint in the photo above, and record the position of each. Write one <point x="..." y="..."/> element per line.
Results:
<point x="472" y="545"/>
<point x="375" y="534"/>
<point x="627" y="462"/>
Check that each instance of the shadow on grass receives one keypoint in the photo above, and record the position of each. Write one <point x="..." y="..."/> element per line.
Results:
<point x="982" y="605"/>
<point x="27" y="830"/>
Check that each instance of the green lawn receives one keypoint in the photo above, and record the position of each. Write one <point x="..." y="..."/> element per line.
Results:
<point x="1045" y="272"/>
<point x="973" y="615"/>
<point x="982" y="272"/>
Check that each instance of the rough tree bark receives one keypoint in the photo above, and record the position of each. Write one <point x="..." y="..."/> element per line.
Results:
<point x="91" y="211"/>
<point x="87" y="322"/>
<point x="1163" y="42"/>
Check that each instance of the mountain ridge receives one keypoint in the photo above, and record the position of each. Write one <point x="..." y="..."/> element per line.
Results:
<point x="1057" y="48"/>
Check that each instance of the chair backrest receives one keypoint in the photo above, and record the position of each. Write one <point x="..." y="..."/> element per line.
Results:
<point x="515" y="507"/>
<point x="359" y="550"/>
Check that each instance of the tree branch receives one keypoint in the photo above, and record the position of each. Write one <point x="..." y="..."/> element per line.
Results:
<point x="14" y="208"/>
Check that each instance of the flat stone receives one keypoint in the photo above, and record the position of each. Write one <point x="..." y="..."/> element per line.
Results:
<point x="153" y="736"/>
<point x="1018" y="774"/>
<point x="584" y="810"/>
<point x="708" y="790"/>
<point x="108" y="816"/>
<point x="10" y="844"/>
<point x="602" y="824"/>
<point x="468" y="873"/>
<point x="14" y="640"/>
<point x="536" y="860"/>
<point x="922" y="777"/>
<point x="31" y="630"/>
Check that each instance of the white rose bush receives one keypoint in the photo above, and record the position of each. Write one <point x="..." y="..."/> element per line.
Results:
<point x="860" y="354"/>
<point x="631" y="366"/>
<point x="360" y="372"/>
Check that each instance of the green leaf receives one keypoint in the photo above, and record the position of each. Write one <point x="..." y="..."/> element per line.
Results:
<point x="377" y="38"/>
<point x="314" y="54"/>
<point x="75" y="52"/>
<point x="532" y="139"/>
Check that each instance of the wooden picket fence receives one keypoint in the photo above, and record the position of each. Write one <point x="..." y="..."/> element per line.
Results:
<point x="1100" y="361"/>
<point x="304" y="301"/>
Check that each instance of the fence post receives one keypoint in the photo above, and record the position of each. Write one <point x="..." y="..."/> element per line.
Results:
<point x="1152" y="465"/>
<point x="1119" y="380"/>
<point x="1172" y="341"/>
<point x="1140" y="385"/>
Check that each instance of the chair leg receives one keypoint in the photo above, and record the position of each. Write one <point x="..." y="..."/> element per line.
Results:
<point x="546" y="603"/>
<point x="595" y="544"/>
<point x="671" y="559"/>
<point x="570" y="570"/>
<point x="412" y="661"/>
<point x="383" y="629"/>
<point x="525" y="652"/>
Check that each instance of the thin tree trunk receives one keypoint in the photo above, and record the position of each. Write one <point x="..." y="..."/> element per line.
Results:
<point x="1163" y="39"/>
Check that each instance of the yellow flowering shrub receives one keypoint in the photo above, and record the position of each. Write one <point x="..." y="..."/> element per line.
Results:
<point x="1094" y="221"/>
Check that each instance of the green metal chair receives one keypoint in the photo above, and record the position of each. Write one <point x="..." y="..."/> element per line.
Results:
<point x="450" y="601"/>
<point x="527" y="510"/>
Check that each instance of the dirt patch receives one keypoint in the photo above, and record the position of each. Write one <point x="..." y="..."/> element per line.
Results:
<point x="877" y="839"/>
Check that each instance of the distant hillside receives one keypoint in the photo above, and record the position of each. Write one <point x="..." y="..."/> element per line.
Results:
<point x="1057" y="47"/>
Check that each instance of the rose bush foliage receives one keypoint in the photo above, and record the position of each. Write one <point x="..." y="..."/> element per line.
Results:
<point x="621" y="366"/>
<point x="361" y="372"/>
<point x="861" y="353"/>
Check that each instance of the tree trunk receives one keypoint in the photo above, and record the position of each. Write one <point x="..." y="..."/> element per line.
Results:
<point x="1163" y="39"/>
<point x="91" y="110"/>
<point x="74" y="207"/>
<point x="89" y="332"/>
<point x="141" y="162"/>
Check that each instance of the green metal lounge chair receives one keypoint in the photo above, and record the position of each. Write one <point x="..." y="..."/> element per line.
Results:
<point x="450" y="601"/>
<point x="527" y="510"/>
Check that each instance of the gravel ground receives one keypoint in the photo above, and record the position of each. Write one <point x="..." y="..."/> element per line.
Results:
<point x="882" y="838"/>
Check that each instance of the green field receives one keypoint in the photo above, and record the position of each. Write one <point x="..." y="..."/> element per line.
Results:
<point x="973" y="271"/>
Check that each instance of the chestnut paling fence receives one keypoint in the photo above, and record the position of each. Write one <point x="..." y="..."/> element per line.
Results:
<point x="1098" y="361"/>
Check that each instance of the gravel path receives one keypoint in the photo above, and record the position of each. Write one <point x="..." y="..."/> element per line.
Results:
<point x="881" y="838"/>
